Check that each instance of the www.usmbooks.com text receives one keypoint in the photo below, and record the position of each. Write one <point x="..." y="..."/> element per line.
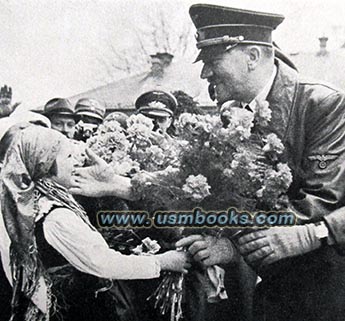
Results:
<point x="196" y="218"/>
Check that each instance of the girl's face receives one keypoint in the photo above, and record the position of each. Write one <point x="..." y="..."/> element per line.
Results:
<point x="66" y="162"/>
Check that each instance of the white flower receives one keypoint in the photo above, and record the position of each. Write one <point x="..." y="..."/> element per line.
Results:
<point x="234" y="164"/>
<point x="196" y="187"/>
<point x="156" y="154"/>
<point x="240" y="123"/>
<point x="139" y="126"/>
<point x="285" y="172"/>
<point x="187" y="119"/>
<point x="273" y="144"/>
<point x="262" y="112"/>
<point x="198" y="124"/>
<point x="138" y="250"/>
<point x="241" y="117"/>
<point x="152" y="245"/>
<point x="227" y="172"/>
<point x="260" y="192"/>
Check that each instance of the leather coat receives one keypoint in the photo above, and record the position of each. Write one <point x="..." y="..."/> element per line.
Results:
<point x="309" y="117"/>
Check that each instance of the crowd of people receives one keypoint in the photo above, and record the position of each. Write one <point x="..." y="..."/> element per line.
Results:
<point x="56" y="265"/>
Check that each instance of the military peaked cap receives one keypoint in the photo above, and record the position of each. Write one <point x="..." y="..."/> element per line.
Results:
<point x="59" y="106"/>
<point x="90" y="107"/>
<point x="221" y="28"/>
<point x="156" y="103"/>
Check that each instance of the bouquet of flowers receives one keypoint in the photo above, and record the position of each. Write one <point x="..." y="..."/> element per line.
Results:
<point x="243" y="163"/>
<point x="134" y="149"/>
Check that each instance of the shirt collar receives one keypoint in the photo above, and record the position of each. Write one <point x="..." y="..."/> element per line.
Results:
<point x="265" y="91"/>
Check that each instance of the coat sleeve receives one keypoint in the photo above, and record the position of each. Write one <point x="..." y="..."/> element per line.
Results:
<point x="322" y="173"/>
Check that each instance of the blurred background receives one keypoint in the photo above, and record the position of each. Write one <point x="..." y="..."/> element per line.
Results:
<point x="113" y="50"/>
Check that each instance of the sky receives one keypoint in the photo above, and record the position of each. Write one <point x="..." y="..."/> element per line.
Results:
<point x="55" y="48"/>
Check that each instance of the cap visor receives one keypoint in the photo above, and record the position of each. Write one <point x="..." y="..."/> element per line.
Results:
<point x="208" y="53"/>
<point x="60" y="113"/>
<point x="85" y="113"/>
<point x="157" y="114"/>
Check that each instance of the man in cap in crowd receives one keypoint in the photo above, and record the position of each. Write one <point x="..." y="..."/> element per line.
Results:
<point x="160" y="107"/>
<point x="61" y="114"/>
<point x="302" y="272"/>
<point x="91" y="114"/>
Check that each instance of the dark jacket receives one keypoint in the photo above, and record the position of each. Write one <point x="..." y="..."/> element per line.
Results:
<point x="309" y="117"/>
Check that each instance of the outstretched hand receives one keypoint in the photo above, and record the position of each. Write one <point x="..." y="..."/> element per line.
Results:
<point x="178" y="261"/>
<point x="99" y="179"/>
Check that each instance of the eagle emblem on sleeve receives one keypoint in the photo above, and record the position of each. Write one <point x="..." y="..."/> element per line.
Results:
<point x="322" y="159"/>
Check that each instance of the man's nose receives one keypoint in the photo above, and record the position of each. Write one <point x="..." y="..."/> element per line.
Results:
<point x="206" y="72"/>
<point x="66" y="128"/>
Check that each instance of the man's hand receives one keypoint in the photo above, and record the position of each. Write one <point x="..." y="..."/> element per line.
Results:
<point x="264" y="247"/>
<point x="208" y="250"/>
<point x="99" y="180"/>
<point x="6" y="107"/>
<point x="5" y="95"/>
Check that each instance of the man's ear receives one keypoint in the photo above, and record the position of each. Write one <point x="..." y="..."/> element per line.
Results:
<point x="254" y="55"/>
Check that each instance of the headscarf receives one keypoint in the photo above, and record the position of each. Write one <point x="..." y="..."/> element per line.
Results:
<point x="22" y="117"/>
<point x="28" y="159"/>
<point x="5" y="241"/>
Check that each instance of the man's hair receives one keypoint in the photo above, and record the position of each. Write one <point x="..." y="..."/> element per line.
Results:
<point x="267" y="51"/>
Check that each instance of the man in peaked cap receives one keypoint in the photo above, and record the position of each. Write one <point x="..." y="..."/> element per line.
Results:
<point x="160" y="106"/>
<point x="301" y="266"/>
<point x="91" y="114"/>
<point x="61" y="115"/>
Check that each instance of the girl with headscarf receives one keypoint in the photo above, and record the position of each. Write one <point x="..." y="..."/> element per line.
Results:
<point x="59" y="261"/>
<point x="9" y="126"/>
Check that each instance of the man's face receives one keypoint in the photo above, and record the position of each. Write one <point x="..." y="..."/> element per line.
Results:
<point x="163" y="123"/>
<point x="86" y="127"/>
<point x="228" y="74"/>
<point x="64" y="124"/>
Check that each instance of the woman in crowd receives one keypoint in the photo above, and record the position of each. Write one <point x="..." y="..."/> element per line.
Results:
<point x="61" y="266"/>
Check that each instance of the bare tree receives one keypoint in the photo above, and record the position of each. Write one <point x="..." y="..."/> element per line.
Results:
<point x="162" y="30"/>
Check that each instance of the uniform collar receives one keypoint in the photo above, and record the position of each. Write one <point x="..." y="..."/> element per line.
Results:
<point x="264" y="92"/>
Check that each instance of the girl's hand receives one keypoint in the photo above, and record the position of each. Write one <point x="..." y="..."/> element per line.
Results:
<point x="178" y="261"/>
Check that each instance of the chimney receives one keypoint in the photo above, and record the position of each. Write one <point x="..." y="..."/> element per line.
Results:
<point x="323" y="46"/>
<point x="159" y="62"/>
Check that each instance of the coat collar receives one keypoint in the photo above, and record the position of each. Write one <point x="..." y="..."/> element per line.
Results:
<point x="282" y="98"/>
